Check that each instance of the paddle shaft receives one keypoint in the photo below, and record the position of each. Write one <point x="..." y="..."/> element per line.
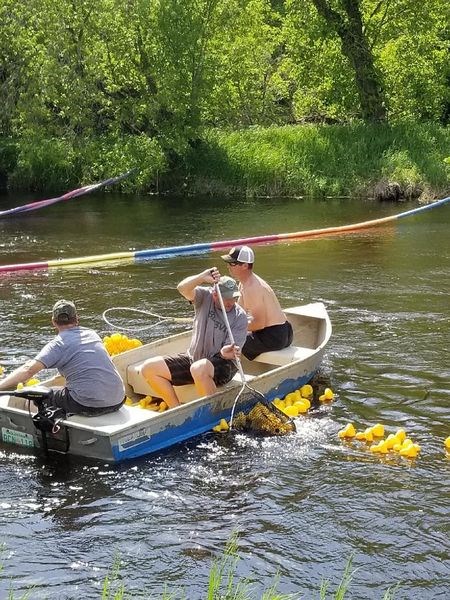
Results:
<point x="230" y="333"/>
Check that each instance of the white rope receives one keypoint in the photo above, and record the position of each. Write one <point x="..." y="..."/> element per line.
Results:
<point x="142" y="312"/>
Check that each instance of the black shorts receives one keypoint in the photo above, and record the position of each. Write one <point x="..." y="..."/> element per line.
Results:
<point x="61" y="398"/>
<point x="275" y="337"/>
<point x="179" y="366"/>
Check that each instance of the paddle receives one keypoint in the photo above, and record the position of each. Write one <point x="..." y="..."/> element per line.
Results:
<point x="260" y="397"/>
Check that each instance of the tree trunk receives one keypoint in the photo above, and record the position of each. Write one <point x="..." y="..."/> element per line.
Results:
<point x="356" y="48"/>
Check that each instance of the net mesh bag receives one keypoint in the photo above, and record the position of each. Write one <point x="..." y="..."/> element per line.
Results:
<point x="264" y="420"/>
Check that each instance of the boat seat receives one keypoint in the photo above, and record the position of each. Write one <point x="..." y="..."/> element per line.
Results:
<point x="285" y="356"/>
<point x="185" y="393"/>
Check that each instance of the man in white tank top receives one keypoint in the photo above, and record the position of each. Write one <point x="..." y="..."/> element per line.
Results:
<point x="268" y="327"/>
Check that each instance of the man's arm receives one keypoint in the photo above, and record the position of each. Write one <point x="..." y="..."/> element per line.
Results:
<point x="239" y="331"/>
<point x="21" y="374"/>
<point x="188" y="285"/>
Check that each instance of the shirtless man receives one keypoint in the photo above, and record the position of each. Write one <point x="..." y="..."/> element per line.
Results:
<point x="268" y="327"/>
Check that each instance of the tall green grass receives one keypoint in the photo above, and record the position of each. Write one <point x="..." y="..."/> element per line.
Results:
<point x="325" y="160"/>
<point x="223" y="584"/>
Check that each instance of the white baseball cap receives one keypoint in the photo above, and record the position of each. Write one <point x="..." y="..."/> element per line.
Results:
<point x="242" y="254"/>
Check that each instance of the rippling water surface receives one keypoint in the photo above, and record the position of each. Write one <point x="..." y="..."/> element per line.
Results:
<point x="301" y="505"/>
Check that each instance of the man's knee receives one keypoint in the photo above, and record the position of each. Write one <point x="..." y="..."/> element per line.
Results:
<point x="202" y="368"/>
<point x="155" y="367"/>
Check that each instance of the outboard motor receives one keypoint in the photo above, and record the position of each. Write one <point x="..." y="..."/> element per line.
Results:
<point x="47" y="418"/>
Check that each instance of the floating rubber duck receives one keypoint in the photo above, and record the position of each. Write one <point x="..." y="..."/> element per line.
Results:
<point x="410" y="450"/>
<point x="306" y="391"/>
<point x="222" y="426"/>
<point x="292" y="410"/>
<point x="400" y="434"/>
<point x="327" y="395"/>
<point x="378" y="430"/>
<point x="292" y="397"/>
<point x="349" y="431"/>
<point x="1" y="370"/>
<point x="302" y="405"/>
<point x="381" y="447"/>
<point x="447" y="443"/>
<point x="391" y="440"/>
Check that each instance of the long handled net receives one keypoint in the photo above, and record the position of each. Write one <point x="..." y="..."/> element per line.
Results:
<point x="264" y="417"/>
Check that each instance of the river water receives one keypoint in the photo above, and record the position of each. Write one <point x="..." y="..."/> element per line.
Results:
<point x="301" y="506"/>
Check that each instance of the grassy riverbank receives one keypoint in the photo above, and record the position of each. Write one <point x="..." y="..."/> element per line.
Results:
<point x="400" y="161"/>
<point x="325" y="160"/>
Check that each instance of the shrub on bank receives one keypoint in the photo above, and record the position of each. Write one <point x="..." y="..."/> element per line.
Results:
<point x="37" y="163"/>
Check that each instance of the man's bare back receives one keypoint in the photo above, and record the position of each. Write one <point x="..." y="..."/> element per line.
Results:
<point x="260" y="302"/>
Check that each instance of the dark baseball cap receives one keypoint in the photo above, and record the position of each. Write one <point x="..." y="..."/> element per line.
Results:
<point x="64" y="310"/>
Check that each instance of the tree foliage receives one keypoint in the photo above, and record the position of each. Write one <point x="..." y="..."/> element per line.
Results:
<point x="167" y="69"/>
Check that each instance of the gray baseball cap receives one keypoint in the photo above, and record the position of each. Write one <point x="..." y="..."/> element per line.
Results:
<point x="228" y="288"/>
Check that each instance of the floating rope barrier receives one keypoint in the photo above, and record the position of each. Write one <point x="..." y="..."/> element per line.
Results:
<point x="87" y="189"/>
<point x="158" y="253"/>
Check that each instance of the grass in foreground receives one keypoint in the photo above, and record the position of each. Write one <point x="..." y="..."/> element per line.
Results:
<point x="222" y="584"/>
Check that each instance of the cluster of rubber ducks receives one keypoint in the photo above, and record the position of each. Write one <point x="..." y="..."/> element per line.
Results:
<point x="396" y="442"/>
<point x="293" y="404"/>
<point x="148" y="403"/>
<point x="119" y="342"/>
<point x="29" y="383"/>
<point x="299" y="402"/>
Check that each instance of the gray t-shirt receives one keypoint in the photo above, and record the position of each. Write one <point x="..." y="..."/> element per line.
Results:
<point x="210" y="332"/>
<point x="80" y="356"/>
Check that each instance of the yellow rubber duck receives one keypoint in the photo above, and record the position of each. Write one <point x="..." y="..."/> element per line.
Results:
<point x="1" y="370"/>
<point x="222" y="426"/>
<point x="447" y="443"/>
<point x="302" y="405"/>
<point x="381" y="447"/>
<point x="378" y="430"/>
<point x="292" y="397"/>
<point x="349" y="431"/>
<point x="327" y="395"/>
<point x="306" y="391"/>
<point x="400" y="434"/>
<point x="162" y="406"/>
<point x="410" y="451"/>
<point x="292" y="410"/>
<point x="391" y="440"/>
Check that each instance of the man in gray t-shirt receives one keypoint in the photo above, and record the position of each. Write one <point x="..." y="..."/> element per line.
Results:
<point x="209" y="360"/>
<point x="93" y="385"/>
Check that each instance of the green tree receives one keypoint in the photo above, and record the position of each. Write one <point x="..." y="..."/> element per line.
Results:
<point x="347" y="21"/>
